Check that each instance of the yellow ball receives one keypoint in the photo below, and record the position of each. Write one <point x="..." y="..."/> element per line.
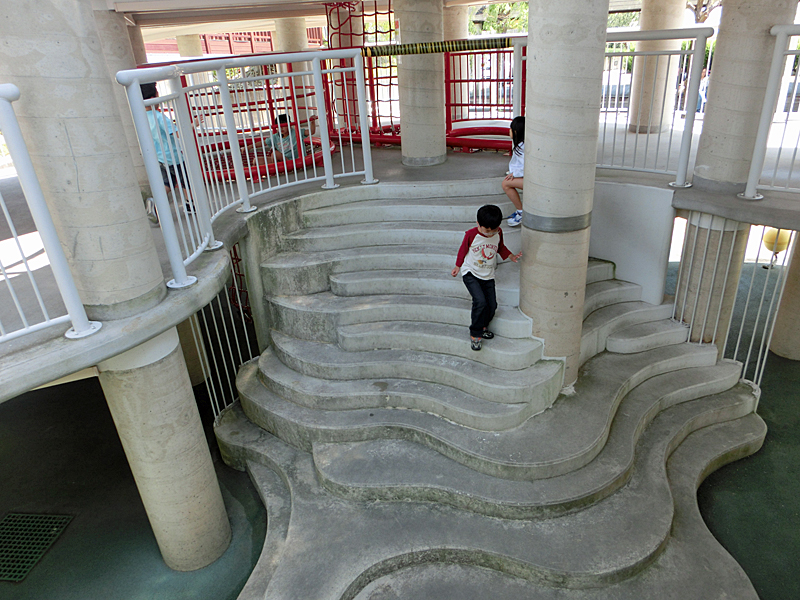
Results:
<point x="774" y="241"/>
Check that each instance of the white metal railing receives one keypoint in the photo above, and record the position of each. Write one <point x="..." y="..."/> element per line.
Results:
<point x="227" y="114"/>
<point x="15" y="263"/>
<point x="723" y="305"/>
<point x="774" y="165"/>
<point x="648" y="112"/>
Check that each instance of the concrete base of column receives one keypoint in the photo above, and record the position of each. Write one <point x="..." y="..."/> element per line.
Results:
<point x="552" y="290"/>
<point x="786" y="337"/>
<point x="150" y="397"/>
<point x="709" y="277"/>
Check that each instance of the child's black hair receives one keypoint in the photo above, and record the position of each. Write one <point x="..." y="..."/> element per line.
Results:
<point x="490" y="216"/>
<point x="282" y="119"/>
<point x="517" y="134"/>
<point x="149" y="91"/>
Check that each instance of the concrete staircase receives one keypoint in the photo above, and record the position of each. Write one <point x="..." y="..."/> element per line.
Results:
<point x="395" y="462"/>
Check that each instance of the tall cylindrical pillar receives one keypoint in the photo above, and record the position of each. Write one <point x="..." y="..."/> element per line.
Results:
<point x="189" y="45"/>
<point x="119" y="56"/>
<point x="786" y="336"/>
<point x="566" y="50"/>
<point x="137" y="45"/>
<point x="290" y="35"/>
<point x="651" y="109"/>
<point x="456" y="27"/>
<point x="71" y="121"/>
<point x="151" y="401"/>
<point x="421" y="85"/>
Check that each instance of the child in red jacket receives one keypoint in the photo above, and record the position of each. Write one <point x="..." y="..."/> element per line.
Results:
<point x="476" y="261"/>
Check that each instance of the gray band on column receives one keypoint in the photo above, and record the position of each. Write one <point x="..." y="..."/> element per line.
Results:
<point x="556" y="224"/>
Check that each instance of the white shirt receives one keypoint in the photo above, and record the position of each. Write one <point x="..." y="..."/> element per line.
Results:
<point x="516" y="165"/>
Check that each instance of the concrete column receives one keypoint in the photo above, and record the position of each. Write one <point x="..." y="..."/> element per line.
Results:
<point x="290" y="35"/>
<point x="137" y="45"/>
<point x="150" y="398"/>
<point x="566" y="50"/>
<point x="704" y="296"/>
<point x="456" y="27"/>
<point x="736" y="90"/>
<point x="71" y="122"/>
<point x="421" y="85"/>
<point x="651" y="109"/>
<point x="735" y="96"/>
<point x="119" y="56"/>
<point x="786" y="337"/>
<point x="189" y="45"/>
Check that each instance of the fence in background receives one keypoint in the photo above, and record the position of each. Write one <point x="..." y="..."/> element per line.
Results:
<point x="220" y="119"/>
<point x="17" y="252"/>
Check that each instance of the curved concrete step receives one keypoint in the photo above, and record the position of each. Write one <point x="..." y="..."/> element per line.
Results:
<point x="500" y="352"/>
<point x="403" y="470"/>
<point x="318" y="316"/>
<point x="693" y="565"/>
<point x="448" y="210"/>
<point x="538" y="384"/>
<point x="556" y="442"/>
<point x="645" y="336"/>
<point x="434" y="283"/>
<point x="610" y="291"/>
<point x="604" y="321"/>
<point x="335" y="547"/>
<point x="339" y="237"/>
<point x="297" y="273"/>
<point x="324" y="394"/>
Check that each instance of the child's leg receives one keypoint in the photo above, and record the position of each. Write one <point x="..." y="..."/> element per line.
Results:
<point x="475" y="290"/>
<point x="491" y="301"/>
<point x="510" y="187"/>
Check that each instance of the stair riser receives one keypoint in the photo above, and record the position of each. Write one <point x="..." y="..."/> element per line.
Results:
<point x="322" y="326"/>
<point x="594" y="342"/>
<point x="453" y="288"/>
<point x="388" y="237"/>
<point x="314" y="278"/>
<point x="608" y="297"/>
<point x="346" y="215"/>
<point x="632" y="346"/>
<point x="507" y="361"/>
<point x="542" y="394"/>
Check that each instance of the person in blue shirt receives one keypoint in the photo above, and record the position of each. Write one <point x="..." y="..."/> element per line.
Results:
<point x="283" y="142"/>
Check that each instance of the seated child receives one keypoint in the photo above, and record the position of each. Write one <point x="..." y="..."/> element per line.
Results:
<point x="476" y="261"/>
<point x="283" y="142"/>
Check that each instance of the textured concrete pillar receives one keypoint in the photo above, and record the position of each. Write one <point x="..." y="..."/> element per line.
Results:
<point x="191" y="356"/>
<point x="651" y="109"/>
<point x="71" y="121"/>
<point x="189" y="45"/>
<point x="566" y="49"/>
<point x="456" y="27"/>
<point x="137" y="45"/>
<point x="736" y="90"/>
<point x="421" y="85"/>
<point x="151" y="402"/>
<point x="117" y="49"/>
<point x="735" y="96"/>
<point x="786" y="337"/>
<point x="290" y="35"/>
<point x="704" y="296"/>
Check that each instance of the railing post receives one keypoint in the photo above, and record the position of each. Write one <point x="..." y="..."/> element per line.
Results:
<point x="516" y="95"/>
<point x="363" y="119"/>
<point x="698" y="56"/>
<point x="197" y="184"/>
<point x="319" y="93"/>
<point x="153" y="169"/>
<point x="233" y="141"/>
<point x="767" y="111"/>
<point x="81" y="325"/>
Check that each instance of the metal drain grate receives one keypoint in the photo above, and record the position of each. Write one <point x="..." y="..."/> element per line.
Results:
<point x="23" y="541"/>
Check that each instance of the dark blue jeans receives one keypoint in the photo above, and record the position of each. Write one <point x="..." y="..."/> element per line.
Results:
<point x="484" y="302"/>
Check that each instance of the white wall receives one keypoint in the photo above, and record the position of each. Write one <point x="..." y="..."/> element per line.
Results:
<point x="632" y="227"/>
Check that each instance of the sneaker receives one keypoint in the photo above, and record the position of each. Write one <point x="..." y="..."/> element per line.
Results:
<point x="189" y="208"/>
<point x="150" y="208"/>
<point x="475" y="343"/>
<point x="515" y="219"/>
<point x="487" y="335"/>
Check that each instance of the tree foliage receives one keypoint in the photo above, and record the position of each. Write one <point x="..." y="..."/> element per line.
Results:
<point x="501" y="18"/>
<point x="626" y="19"/>
<point x="702" y="8"/>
